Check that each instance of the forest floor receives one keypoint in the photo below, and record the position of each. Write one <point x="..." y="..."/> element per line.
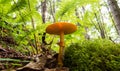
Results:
<point x="11" y="60"/>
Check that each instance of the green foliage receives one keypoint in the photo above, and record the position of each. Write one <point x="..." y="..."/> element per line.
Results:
<point x="15" y="22"/>
<point x="93" y="55"/>
<point x="66" y="8"/>
<point x="12" y="63"/>
<point x="12" y="60"/>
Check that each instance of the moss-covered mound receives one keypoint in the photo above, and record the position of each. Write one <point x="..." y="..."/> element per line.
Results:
<point x="93" y="55"/>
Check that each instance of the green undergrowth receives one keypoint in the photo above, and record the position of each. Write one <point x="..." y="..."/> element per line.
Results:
<point x="93" y="55"/>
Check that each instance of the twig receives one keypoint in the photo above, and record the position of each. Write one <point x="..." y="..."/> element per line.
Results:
<point x="32" y="21"/>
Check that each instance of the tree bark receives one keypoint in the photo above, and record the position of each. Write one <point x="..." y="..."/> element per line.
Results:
<point x="52" y="10"/>
<point x="44" y="8"/>
<point x="115" y="12"/>
<point x="110" y="14"/>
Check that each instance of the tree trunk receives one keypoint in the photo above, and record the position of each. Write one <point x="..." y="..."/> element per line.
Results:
<point x="87" y="36"/>
<point x="44" y="8"/>
<point x="52" y="9"/>
<point x="115" y="12"/>
<point x="110" y="14"/>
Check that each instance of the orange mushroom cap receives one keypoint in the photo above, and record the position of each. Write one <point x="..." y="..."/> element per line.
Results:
<point x="58" y="27"/>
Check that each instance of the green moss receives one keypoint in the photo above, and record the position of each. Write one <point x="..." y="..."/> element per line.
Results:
<point x="93" y="55"/>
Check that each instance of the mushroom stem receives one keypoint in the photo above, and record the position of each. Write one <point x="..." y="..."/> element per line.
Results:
<point x="60" y="56"/>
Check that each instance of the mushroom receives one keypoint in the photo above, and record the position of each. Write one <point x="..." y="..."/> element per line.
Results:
<point x="61" y="28"/>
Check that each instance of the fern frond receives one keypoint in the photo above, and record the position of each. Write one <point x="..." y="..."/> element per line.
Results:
<point x="70" y="5"/>
<point x="65" y="7"/>
<point x="19" y="5"/>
